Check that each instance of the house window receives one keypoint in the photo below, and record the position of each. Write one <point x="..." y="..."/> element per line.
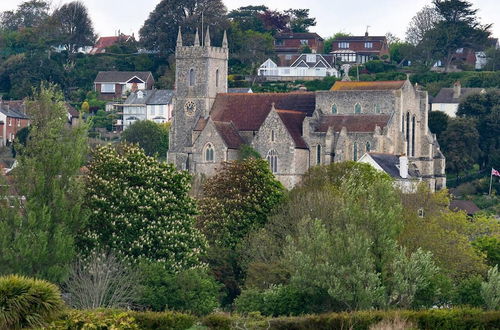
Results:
<point x="107" y="88"/>
<point x="272" y="158"/>
<point x="318" y="155"/>
<point x="304" y="42"/>
<point x="368" y="146"/>
<point x="209" y="153"/>
<point x="310" y="58"/>
<point x="357" y="108"/>
<point x="334" y="109"/>
<point x="217" y="78"/>
<point x="377" y="108"/>
<point x="10" y="121"/>
<point x="343" y="45"/>
<point x="368" y="44"/>
<point x="355" y="152"/>
<point x="288" y="57"/>
<point x="191" y="77"/>
<point x="18" y="122"/>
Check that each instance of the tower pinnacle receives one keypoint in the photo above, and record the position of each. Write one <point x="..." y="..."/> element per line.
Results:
<point x="196" y="38"/>
<point x="179" y="37"/>
<point x="224" y="40"/>
<point x="207" y="37"/>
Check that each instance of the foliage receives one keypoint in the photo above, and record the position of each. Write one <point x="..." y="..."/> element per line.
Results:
<point x="29" y="14"/>
<point x="490" y="289"/>
<point x="491" y="247"/>
<point x="460" y="144"/>
<point x="159" y="32"/>
<point x="141" y="209"/>
<point x="238" y="200"/>
<point x="424" y="21"/>
<point x="41" y="232"/>
<point x="150" y="136"/>
<point x="438" y="122"/>
<point x="299" y="20"/>
<point x="247" y="152"/>
<point x="164" y="320"/>
<point x="26" y="302"/>
<point x="101" y="281"/>
<point x="468" y="292"/>
<point x="192" y="290"/>
<point x="73" y="26"/>
<point x="102" y="119"/>
<point x="327" y="45"/>
<point x="21" y="138"/>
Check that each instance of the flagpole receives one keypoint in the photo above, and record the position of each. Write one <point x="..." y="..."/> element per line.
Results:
<point x="491" y="180"/>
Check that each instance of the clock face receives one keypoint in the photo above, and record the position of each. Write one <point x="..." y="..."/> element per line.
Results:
<point x="190" y="108"/>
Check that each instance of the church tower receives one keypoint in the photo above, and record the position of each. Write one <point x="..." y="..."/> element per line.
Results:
<point x="201" y="73"/>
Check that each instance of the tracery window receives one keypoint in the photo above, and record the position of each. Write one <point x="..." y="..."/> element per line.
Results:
<point x="272" y="158"/>
<point x="334" y="109"/>
<point x="357" y="108"/>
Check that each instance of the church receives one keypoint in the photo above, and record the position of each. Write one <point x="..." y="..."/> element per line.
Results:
<point x="295" y="131"/>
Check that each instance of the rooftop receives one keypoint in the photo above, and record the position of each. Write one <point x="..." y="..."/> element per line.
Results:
<point x="367" y="85"/>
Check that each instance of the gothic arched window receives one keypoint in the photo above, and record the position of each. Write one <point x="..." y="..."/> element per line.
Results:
<point x="413" y="136"/>
<point x="191" y="77"/>
<point x="334" y="109"/>
<point x="357" y="108"/>
<point x="217" y="78"/>
<point x="408" y="133"/>
<point x="209" y="153"/>
<point x="272" y="158"/>
<point x="318" y="154"/>
<point x="368" y="146"/>
<point x="355" y="152"/>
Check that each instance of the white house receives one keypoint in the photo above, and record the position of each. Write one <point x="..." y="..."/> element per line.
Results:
<point x="155" y="105"/>
<point x="305" y="66"/>
<point x="448" y="99"/>
<point x="405" y="174"/>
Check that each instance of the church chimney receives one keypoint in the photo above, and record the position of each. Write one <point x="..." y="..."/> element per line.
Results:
<point x="196" y="38"/>
<point x="207" y="37"/>
<point x="403" y="166"/>
<point x="179" y="38"/>
<point x="457" y="90"/>
<point x="224" y="40"/>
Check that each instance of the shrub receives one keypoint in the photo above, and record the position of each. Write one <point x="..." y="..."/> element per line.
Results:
<point x="218" y="321"/>
<point x="191" y="290"/>
<point x="163" y="321"/>
<point x="26" y="302"/>
<point x="490" y="290"/>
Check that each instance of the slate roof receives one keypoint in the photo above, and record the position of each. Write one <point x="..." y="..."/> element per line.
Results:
<point x="120" y="76"/>
<point x="247" y="111"/>
<point x="390" y="165"/>
<point x="445" y="95"/>
<point x="460" y="205"/>
<point x="13" y="109"/>
<point x="229" y="134"/>
<point x="353" y="123"/>
<point x="361" y="38"/>
<point x="367" y="85"/>
<point x="154" y="96"/>
<point x="293" y="122"/>
<point x="302" y="35"/>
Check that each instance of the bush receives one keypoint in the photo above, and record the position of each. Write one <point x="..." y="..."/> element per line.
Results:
<point x="107" y="319"/>
<point x="26" y="302"/>
<point x="191" y="290"/>
<point x="218" y="321"/>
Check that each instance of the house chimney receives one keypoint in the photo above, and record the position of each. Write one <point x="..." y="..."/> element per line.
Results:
<point x="366" y="33"/>
<point x="403" y="166"/>
<point x="457" y="90"/>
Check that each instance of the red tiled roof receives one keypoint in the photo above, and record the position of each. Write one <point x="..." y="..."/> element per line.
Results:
<point x="293" y="122"/>
<point x="353" y="123"/>
<point x="229" y="134"/>
<point x="104" y="42"/>
<point x="298" y="35"/>
<point x="367" y="85"/>
<point x="248" y="111"/>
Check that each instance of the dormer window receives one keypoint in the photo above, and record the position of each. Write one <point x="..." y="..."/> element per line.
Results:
<point x="140" y="95"/>
<point x="368" y="44"/>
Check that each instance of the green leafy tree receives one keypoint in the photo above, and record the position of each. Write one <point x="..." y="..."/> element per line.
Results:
<point x="490" y="289"/>
<point x="150" y="136"/>
<point x="41" y="232"/>
<point x="141" y="210"/>
<point x="29" y="14"/>
<point x="423" y="21"/>
<point x="299" y="20"/>
<point x="468" y="292"/>
<point x="73" y="26"/>
<point x="238" y="200"/>
<point x="460" y="144"/>
<point x="159" y="31"/>
<point x="102" y="119"/>
<point x="438" y="122"/>
<point x="491" y="247"/>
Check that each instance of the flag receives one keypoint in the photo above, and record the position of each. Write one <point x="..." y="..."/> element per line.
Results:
<point x="495" y="172"/>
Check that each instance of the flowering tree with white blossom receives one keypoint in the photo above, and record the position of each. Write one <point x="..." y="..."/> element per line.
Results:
<point x="140" y="209"/>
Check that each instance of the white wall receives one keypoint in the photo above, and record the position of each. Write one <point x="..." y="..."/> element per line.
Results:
<point x="449" y="108"/>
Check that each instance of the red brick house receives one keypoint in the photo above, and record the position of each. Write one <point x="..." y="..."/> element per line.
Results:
<point x="12" y="119"/>
<point x="360" y="49"/>
<point x="286" y="45"/>
<point x="104" y="42"/>
<point x="114" y="85"/>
